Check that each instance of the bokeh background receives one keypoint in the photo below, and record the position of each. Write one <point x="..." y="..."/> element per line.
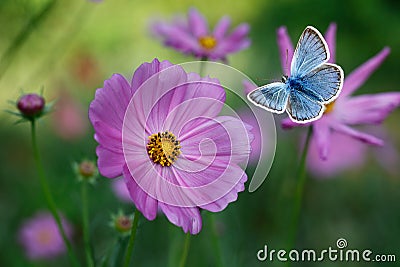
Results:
<point x="70" y="47"/>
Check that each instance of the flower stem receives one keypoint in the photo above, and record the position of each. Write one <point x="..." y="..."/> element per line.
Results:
<point x="23" y="35"/>
<point x="185" y="250"/>
<point x="129" y="249"/>
<point x="47" y="193"/>
<point x="299" y="191"/>
<point x="85" y="219"/>
<point x="215" y="240"/>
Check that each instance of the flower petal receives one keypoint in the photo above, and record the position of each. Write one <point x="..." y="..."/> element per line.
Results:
<point x="197" y="23"/>
<point x="287" y="124"/>
<point x="344" y="153"/>
<point x="330" y="38"/>
<point x="321" y="134"/>
<point x="187" y="218"/>
<point x="146" y="204"/>
<point x="221" y="203"/>
<point x="205" y="94"/>
<point x="222" y="27"/>
<point x="286" y="50"/>
<point x="364" y="137"/>
<point x="234" y="42"/>
<point x="230" y="137"/>
<point x="110" y="102"/>
<point x="357" y="78"/>
<point x="248" y="86"/>
<point x="369" y="109"/>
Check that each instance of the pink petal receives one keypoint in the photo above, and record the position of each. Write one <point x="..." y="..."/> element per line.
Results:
<point x="146" y="204"/>
<point x="369" y="109"/>
<point x="205" y="94"/>
<point x="187" y="218"/>
<point x="248" y="86"/>
<point x="344" y="153"/>
<point x="197" y="23"/>
<point x="330" y="38"/>
<point x="357" y="78"/>
<point x="221" y="203"/>
<point x="110" y="102"/>
<point x="287" y="124"/>
<point x="222" y="27"/>
<point x="149" y="107"/>
<point x="230" y="138"/>
<point x="286" y="49"/>
<point x="321" y="134"/>
<point x="366" y="138"/>
<point x="110" y="163"/>
<point x="236" y="41"/>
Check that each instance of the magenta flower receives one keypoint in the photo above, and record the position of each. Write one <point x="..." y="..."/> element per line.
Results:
<point x="340" y="145"/>
<point x="162" y="133"/>
<point x="347" y="110"/>
<point x="194" y="37"/>
<point x="40" y="237"/>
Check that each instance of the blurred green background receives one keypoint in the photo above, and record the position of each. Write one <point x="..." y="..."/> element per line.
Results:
<point x="75" y="45"/>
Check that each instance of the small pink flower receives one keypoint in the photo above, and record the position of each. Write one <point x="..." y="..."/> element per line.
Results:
<point x="40" y="237"/>
<point x="120" y="190"/>
<point x="69" y="118"/>
<point x="162" y="132"/>
<point x="347" y="110"/>
<point x="194" y="37"/>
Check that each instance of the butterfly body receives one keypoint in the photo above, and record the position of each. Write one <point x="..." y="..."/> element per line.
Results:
<point x="313" y="82"/>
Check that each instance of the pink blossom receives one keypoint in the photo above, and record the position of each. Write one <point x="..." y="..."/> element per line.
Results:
<point x="162" y="132"/>
<point x="194" y="36"/>
<point x="41" y="238"/>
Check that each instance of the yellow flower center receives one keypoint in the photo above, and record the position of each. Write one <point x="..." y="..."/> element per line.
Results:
<point x="44" y="237"/>
<point x="329" y="107"/>
<point x="163" y="148"/>
<point x="208" y="42"/>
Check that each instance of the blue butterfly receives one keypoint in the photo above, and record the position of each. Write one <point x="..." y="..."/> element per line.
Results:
<point x="313" y="83"/>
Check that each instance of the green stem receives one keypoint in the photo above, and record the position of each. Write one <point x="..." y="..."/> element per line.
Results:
<point x="185" y="250"/>
<point x="85" y="218"/>
<point x="47" y="193"/>
<point x="215" y="240"/>
<point x="299" y="191"/>
<point x="129" y="249"/>
<point x="23" y="35"/>
<point x="202" y="65"/>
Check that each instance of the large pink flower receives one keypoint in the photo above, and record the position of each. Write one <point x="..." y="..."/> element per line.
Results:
<point x="194" y="36"/>
<point x="347" y="110"/>
<point x="162" y="133"/>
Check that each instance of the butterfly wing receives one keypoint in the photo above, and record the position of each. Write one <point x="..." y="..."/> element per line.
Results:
<point x="302" y="109"/>
<point x="324" y="83"/>
<point x="272" y="97"/>
<point x="311" y="51"/>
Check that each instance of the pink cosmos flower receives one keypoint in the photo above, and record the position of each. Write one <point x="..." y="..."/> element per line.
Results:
<point x="194" y="37"/>
<point x="69" y="120"/>
<point x="347" y="110"/>
<point x="40" y="237"/>
<point x="162" y="132"/>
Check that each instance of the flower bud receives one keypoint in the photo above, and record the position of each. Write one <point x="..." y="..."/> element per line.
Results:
<point x="31" y="105"/>
<point x="121" y="223"/>
<point x="86" y="170"/>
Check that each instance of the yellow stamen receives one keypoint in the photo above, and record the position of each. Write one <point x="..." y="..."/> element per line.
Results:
<point x="329" y="107"/>
<point x="163" y="148"/>
<point x="208" y="42"/>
